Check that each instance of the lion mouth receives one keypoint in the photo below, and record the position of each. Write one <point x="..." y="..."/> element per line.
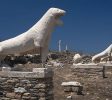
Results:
<point x="61" y="13"/>
<point x="58" y="17"/>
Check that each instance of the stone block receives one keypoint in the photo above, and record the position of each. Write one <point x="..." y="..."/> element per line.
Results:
<point x="10" y="95"/>
<point x="71" y="83"/>
<point x="67" y="89"/>
<point x="72" y="87"/>
<point x="19" y="90"/>
<point x="34" y="98"/>
<point x="6" y="69"/>
<point x="4" y="98"/>
<point x="37" y="73"/>
<point x="40" y="86"/>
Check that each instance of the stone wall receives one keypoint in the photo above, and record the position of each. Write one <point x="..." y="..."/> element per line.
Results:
<point x="35" y="85"/>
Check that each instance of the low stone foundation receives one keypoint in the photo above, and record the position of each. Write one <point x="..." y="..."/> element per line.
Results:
<point x="36" y="85"/>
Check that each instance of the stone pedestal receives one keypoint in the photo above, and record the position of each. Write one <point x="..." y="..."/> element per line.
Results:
<point x="71" y="89"/>
<point x="35" y="85"/>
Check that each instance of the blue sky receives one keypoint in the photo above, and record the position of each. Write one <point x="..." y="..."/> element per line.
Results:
<point x="87" y="23"/>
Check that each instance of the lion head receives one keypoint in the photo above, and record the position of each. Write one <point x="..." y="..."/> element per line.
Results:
<point x="56" y="13"/>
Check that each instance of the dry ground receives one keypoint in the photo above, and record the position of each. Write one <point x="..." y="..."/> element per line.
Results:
<point x="95" y="87"/>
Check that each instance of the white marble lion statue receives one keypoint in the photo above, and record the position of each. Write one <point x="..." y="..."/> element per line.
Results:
<point x="35" y="39"/>
<point x="107" y="53"/>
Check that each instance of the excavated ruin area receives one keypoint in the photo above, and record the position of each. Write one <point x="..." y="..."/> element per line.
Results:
<point x="95" y="87"/>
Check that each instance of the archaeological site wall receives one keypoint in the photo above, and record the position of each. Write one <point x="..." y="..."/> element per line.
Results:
<point x="35" y="85"/>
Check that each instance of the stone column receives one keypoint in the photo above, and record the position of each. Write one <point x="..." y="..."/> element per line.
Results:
<point x="59" y="45"/>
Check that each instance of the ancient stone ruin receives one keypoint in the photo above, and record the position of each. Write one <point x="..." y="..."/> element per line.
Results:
<point x="35" y="85"/>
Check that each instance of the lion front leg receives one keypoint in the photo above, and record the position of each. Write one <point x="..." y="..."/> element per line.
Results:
<point x="43" y="54"/>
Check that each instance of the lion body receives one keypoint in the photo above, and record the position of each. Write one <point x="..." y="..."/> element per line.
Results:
<point x="35" y="38"/>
